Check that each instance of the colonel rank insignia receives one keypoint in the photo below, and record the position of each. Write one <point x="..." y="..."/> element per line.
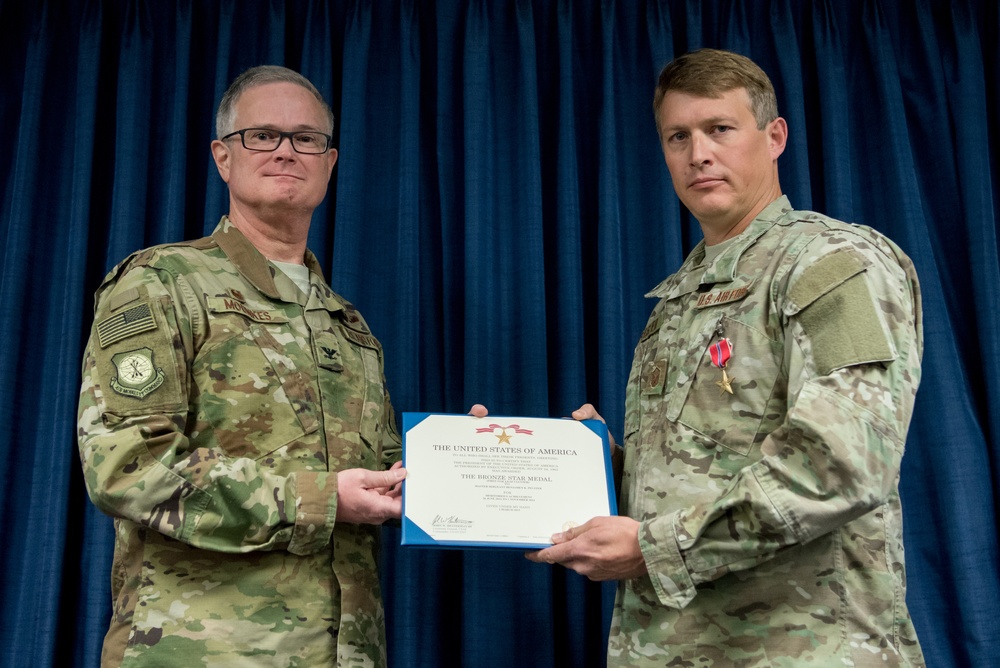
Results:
<point x="137" y="375"/>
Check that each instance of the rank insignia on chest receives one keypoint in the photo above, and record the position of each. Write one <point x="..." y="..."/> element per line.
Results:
<point x="721" y="352"/>
<point x="330" y="359"/>
<point x="656" y="375"/>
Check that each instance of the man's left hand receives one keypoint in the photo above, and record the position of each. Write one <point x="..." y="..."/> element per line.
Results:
<point x="605" y="548"/>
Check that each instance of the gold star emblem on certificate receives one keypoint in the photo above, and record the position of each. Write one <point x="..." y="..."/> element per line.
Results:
<point x="501" y="432"/>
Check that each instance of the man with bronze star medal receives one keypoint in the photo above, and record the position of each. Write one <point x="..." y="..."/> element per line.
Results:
<point x="760" y="522"/>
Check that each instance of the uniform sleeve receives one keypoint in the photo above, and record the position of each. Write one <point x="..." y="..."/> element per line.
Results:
<point x="138" y="462"/>
<point x="392" y="442"/>
<point x="852" y="350"/>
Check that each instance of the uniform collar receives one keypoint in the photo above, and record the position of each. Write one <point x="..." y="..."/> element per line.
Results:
<point x="723" y="270"/>
<point x="259" y="272"/>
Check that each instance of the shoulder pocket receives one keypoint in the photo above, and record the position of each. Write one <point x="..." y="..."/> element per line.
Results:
<point x="136" y="358"/>
<point x="834" y="304"/>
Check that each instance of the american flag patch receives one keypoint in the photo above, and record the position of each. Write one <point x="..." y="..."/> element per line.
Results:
<point x="125" y="324"/>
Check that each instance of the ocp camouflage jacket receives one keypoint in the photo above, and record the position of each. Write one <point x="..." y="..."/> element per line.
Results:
<point x="218" y="403"/>
<point x="770" y="518"/>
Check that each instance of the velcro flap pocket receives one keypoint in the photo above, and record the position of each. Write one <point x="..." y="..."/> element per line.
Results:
<point x="825" y="275"/>
<point x="136" y="359"/>
<point x="840" y="316"/>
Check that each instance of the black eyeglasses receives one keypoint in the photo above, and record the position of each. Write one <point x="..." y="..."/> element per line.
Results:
<point x="266" y="139"/>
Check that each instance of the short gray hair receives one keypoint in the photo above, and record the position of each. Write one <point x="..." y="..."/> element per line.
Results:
<point x="225" y="117"/>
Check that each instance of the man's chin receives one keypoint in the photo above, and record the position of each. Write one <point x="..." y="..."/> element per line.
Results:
<point x="707" y="208"/>
<point x="288" y="194"/>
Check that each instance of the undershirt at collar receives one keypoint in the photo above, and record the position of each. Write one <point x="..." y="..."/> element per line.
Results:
<point x="715" y="250"/>
<point x="299" y="273"/>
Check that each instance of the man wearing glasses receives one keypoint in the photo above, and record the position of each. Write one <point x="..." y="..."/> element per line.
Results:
<point x="234" y="419"/>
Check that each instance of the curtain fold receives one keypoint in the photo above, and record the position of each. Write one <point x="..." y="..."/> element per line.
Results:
<point x="499" y="209"/>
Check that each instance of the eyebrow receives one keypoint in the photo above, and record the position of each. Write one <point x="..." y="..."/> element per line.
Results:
<point x="297" y="128"/>
<point x="714" y="120"/>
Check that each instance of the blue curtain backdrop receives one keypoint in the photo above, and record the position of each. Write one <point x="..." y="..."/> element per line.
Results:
<point x="499" y="208"/>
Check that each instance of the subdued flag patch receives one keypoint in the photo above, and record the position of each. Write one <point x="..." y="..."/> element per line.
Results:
<point x="125" y="324"/>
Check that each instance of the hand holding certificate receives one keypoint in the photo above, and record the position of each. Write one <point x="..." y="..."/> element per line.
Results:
<point x="501" y="481"/>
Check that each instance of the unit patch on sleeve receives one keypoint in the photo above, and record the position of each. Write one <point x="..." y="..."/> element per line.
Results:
<point x="137" y="374"/>
<point x="125" y="324"/>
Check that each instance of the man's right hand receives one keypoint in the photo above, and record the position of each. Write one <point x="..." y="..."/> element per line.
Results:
<point x="605" y="548"/>
<point x="367" y="497"/>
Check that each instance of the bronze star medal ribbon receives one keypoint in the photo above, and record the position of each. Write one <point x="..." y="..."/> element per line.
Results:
<point x="720" y="353"/>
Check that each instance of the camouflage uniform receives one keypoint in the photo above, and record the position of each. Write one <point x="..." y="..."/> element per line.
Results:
<point x="218" y="403"/>
<point x="770" y="518"/>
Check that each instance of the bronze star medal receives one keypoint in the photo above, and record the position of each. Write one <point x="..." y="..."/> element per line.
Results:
<point x="720" y="353"/>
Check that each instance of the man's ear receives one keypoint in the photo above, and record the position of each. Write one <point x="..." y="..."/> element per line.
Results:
<point x="777" y="136"/>
<point x="333" y="161"/>
<point x="222" y="156"/>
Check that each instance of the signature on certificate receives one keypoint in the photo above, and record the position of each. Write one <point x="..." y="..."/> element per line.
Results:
<point x="442" y="520"/>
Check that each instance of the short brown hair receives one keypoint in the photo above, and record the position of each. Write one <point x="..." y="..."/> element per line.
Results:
<point x="712" y="72"/>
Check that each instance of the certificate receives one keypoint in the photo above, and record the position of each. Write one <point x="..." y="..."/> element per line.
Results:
<point x="501" y="482"/>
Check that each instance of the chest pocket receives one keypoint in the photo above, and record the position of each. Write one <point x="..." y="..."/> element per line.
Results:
<point x="739" y="420"/>
<point x="647" y="376"/>
<point x="253" y="396"/>
<point x="351" y="377"/>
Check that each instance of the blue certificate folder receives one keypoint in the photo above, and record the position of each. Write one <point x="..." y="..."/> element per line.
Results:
<point x="501" y="482"/>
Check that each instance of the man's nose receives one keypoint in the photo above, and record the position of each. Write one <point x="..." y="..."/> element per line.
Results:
<point x="285" y="149"/>
<point x="701" y="153"/>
